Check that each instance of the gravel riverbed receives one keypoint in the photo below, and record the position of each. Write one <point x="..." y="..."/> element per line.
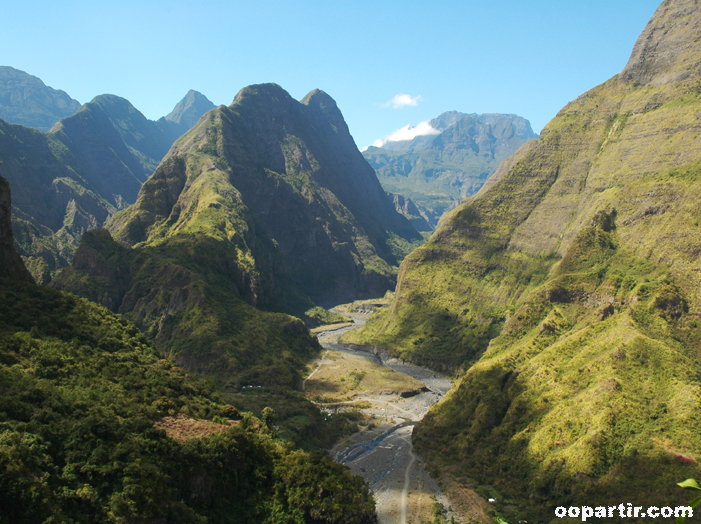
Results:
<point x="383" y="455"/>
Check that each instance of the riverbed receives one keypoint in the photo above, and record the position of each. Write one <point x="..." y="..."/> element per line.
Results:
<point x="382" y="453"/>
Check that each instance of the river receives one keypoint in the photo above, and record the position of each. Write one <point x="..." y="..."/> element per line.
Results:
<point x="383" y="456"/>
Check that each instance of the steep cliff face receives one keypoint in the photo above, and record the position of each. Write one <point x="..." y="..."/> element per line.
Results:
<point x="258" y="206"/>
<point x="568" y="290"/>
<point x="11" y="265"/>
<point x="291" y="169"/>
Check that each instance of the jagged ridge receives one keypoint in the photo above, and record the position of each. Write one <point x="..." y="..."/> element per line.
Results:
<point x="73" y="178"/>
<point x="292" y="169"/>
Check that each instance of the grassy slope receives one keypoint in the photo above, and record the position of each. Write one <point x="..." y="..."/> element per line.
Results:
<point x="80" y="389"/>
<point x="588" y="395"/>
<point x="207" y="284"/>
<point x="589" y="390"/>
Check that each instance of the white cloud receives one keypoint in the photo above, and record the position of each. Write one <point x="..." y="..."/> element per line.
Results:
<point x="407" y="133"/>
<point x="403" y="100"/>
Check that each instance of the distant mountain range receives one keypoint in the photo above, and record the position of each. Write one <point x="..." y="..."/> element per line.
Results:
<point x="26" y="100"/>
<point x="452" y="158"/>
<point x="89" y="165"/>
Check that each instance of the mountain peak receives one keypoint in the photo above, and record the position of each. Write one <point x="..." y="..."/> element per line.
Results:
<point x="26" y="100"/>
<point x="261" y="92"/>
<point x="190" y="109"/>
<point x="668" y="48"/>
<point x="324" y="109"/>
<point x="116" y="106"/>
<point x="446" y="119"/>
<point x="318" y="98"/>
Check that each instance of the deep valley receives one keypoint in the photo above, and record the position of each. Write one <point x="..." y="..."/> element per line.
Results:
<point x="231" y="314"/>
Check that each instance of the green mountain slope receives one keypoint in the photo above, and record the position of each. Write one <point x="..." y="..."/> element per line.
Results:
<point x="257" y="207"/>
<point x="73" y="178"/>
<point x="195" y="296"/>
<point x="438" y="170"/>
<point x="26" y="100"/>
<point x="84" y="400"/>
<point x="568" y="290"/>
<point x="290" y="169"/>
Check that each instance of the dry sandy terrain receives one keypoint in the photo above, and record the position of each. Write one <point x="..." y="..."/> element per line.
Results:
<point x="183" y="428"/>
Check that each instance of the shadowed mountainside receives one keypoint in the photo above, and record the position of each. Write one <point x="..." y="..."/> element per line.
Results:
<point x="568" y="290"/>
<point x="74" y="177"/>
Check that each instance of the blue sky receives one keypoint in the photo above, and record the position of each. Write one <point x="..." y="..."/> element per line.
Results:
<point x="509" y="56"/>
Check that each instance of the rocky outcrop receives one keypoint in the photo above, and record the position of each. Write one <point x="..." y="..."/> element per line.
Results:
<point x="11" y="265"/>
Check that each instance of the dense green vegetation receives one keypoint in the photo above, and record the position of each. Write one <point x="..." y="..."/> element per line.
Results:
<point x="80" y="389"/>
<point x="299" y="421"/>
<point x="567" y="295"/>
<point x="184" y="294"/>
